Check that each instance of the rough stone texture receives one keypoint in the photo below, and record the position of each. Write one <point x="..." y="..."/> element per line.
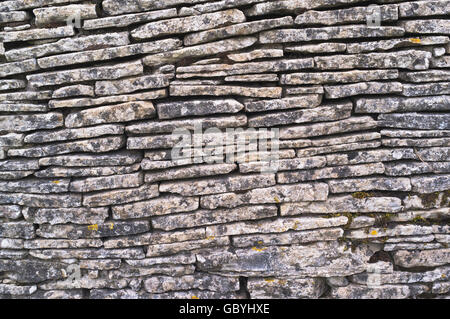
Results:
<point x="322" y="170"/>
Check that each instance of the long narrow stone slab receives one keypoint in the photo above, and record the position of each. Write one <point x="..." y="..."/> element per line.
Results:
<point x="188" y="24"/>
<point x="86" y="74"/>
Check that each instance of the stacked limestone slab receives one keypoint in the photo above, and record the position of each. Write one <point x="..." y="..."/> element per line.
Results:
<point x="359" y="205"/>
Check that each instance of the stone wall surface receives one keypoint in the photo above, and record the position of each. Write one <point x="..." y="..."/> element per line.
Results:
<point x="93" y="203"/>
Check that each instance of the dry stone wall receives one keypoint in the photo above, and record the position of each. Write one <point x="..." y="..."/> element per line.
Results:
<point x="350" y="99"/>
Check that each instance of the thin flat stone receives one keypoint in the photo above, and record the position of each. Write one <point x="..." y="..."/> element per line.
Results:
<point x="188" y="24"/>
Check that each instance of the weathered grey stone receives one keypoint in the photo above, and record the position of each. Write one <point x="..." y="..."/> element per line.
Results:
<point x="11" y="84"/>
<point x="353" y="291"/>
<point x="369" y="183"/>
<point x="277" y="226"/>
<point x="17" y="290"/>
<point x="50" y="15"/>
<point x="337" y="148"/>
<point x="11" y="139"/>
<point x="22" y="107"/>
<point x="188" y="24"/>
<point x="210" y="217"/>
<point x="108" y="229"/>
<point x="18" y="67"/>
<point x="161" y="206"/>
<point x="281" y="288"/>
<point x="13" y="175"/>
<point x="220" y="90"/>
<point x="425" y="76"/>
<point x="169" y="126"/>
<point x="199" y="50"/>
<point x="293" y="6"/>
<point x="338" y="77"/>
<point x="415" y="121"/>
<point x="173" y="248"/>
<point x="108" y="53"/>
<point x="182" y="258"/>
<point x="26" y="96"/>
<point x="328" y="33"/>
<point x="197" y="281"/>
<point x="324" y="259"/>
<point x="107" y="182"/>
<point x="36" y="185"/>
<point x="340" y="16"/>
<point x="396" y="104"/>
<point x="214" y="6"/>
<point x="37" y="34"/>
<point x="415" y="168"/>
<point x="344" y="203"/>
<point x="409" y="59"/>
<point x="288" y="238"/>
<point x="424" y="8"/>
<point x="269" y="195"/>
<point x="345" y="139"/>
<point x="398" y="230"/>
<point x="35" y="200"/>
<point x="121" y="196"/>
<point x="73" y="90"/>
<point x="24" y="123"/>
<point x="303" y="101"/>
<point x="156" y="238"/>
<point x="244" y="68"/>
<point x="438" y="88"/>
<point x="385" y="45"/>
<point x="62" y="243"/>
<point x="316" y="48"/>
<point x="434" y="154"/>
<point x="69" y="45"/>
<point x="131" y="84"/>
<point x="95" y="145"/>
<point x="72" y="134"/>
<point x="87" y="74"/>
<point x="421" y="258"/>
<point x="255" y="54"/>
<point x="330" y="172"/>
<point x="236" y="29"/>
<point x="346" y="90"/>
<point x="331" y="112"/>
<point x="129" y="19"/>
<point x="166" y="270"/>
<point x="347" y="125"/>
<point x="442" y="62"/>
<point x="190" y="172"/>
<point x="85" y="172"/>
<point x="380" y="155"/>
<point x="13" y="16"/>
<point x="197" y="107"/>
<point x="79" y="215"/>
<point x="8" y="243"/>
<point x="83" y="102"/>
<point x="10" y="211"/>
<point x="430" y="184"/>
<point x="110" y="114"/>
<point x="17" y="230"/>
<point x="85" y="282"/>
<point x="252" y="78"/>
<point x="218" y="185"/>
<point x="427" y="26"/>
<point x="80" y="160"/>
<point x="285" y="164"/>
<point x="397" y="142"/>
